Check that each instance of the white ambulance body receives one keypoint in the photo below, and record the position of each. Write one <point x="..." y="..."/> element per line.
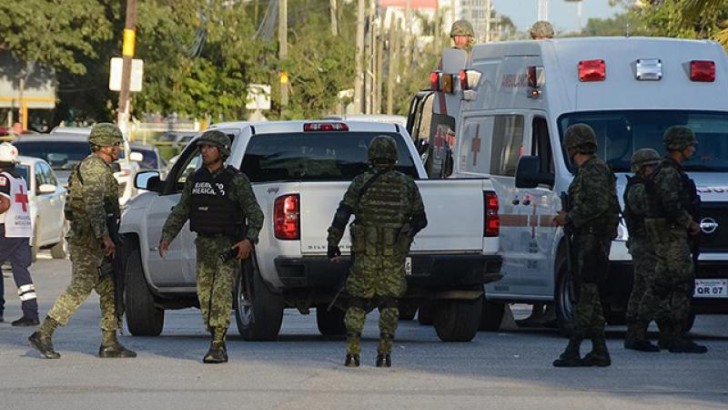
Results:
<point x="629" y="90"/>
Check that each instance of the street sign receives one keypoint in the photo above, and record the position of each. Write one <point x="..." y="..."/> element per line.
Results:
<point x="137" y="71"/>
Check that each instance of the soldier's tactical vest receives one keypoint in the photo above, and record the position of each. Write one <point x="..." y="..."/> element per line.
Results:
<point x="74" y="208"/>
<point x="381" y="218"/>
<point x="689" y="198"/>
<point x="212" y="210"/>
<point x="635" y="223"/>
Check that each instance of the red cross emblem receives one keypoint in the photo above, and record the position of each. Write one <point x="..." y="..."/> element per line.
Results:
<point x="475" y="146"/>
<point x="22" y="198"/>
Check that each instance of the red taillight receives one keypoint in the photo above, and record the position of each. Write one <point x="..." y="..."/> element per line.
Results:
<point x="702" y="70"/>
<point x="492" y="220"/>
<point x="435" y="81"/>
<point x="464" y="80"/>
<point x="592" y="70"/>
<point x="325" y="126"/>
<point x="286" y="217"/>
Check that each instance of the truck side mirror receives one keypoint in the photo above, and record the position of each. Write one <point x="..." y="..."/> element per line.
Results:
<point x="529" y="175"/>
<point x="148" y="180"/>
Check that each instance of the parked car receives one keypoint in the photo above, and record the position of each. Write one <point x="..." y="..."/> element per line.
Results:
<point x="47" y="197"/>
<point x="63" y="150"/>
<point x="150" y="157"/>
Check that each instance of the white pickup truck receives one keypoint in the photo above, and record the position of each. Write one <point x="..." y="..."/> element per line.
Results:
<point x="299" y="171"/>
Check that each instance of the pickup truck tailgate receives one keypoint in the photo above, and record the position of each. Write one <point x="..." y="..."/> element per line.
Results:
<point x="454" y="207"/>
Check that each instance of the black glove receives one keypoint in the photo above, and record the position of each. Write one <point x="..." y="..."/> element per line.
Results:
<point x="333" y="252"/>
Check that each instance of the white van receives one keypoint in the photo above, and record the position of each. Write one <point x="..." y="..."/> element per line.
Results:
<point x="520" y="99"/>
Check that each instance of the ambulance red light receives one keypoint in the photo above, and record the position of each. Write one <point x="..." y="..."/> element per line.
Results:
<point x="592" y="70"/>
<point x="435" y="81"/>
<point x="469" y="79"/>
<point x="286" y="217"/>
<point x="536" y="76"/>
<point x="702" y="71"/>
<point x="325" y="126"/>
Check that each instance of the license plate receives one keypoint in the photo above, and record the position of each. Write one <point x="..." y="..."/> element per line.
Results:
<point x="711" y="288"/>
<point x="408" y="266"/>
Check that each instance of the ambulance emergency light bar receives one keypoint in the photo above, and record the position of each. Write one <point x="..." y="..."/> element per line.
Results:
<point x="648" y="69"/>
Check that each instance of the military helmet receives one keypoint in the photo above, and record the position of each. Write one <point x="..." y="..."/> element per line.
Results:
<point x="383" y="149"/>
<point x="105" y="134"/>
<point x="542" y="29"/>
<point x="679" y="137"/>
<point x="581" y="138"/>
<point x="462" y="28"/>
<point x="218" y="139"/>
<point x="8" y="153"/>
<point x="643" y="157"/>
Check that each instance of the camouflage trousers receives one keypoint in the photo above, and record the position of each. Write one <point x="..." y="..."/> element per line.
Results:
<point x="215" y="281"/>
<point x="644" y="261"/>
<point x="354" y="321"/>
<point x="85" y="260"/>
<point x="668" y="297"/>
<point x="592" y="266"/>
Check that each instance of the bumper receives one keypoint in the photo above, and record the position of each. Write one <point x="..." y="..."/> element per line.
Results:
<point x="428" y="271"/>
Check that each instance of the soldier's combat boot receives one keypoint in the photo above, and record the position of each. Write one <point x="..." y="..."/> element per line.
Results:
<point x="636" y="338"/>
<point x="384" y="360"/>
<point x="665" y="335"/>
<point x="43" y="343"/>
<point x="599" y="356"/>
<point x="352" y="360"/>
<point x="218" y="351"/>
<point x="570" y="357"/>
<point x="111" y="348"/>
<point x="682" y="345"/>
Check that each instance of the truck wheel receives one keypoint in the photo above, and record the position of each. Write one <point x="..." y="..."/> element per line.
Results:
<point x="142" y="316"/>
<point x="565" y="298"/>
<point x="330" y="323"/>
<point x="425" y="313"/>
<point x="258" y="311"/>
<point x="407" y="311"/>
<point x="457" y="320"/>
<point x="492" y="315"/>
<point x="60" y="250"/>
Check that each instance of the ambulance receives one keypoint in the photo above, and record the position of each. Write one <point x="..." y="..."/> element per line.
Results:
<point x="508" y="108"/>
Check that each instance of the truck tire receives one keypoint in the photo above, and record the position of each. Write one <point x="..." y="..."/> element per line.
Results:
<point x="492" y="315"/>
<point x="143" y="317"/>
<point x="425" y="314"/>
<point x="258" y="311"/>
<point x="457" y="320"/>
<point x="565" y="298"/>
<point x="330" y="323"/>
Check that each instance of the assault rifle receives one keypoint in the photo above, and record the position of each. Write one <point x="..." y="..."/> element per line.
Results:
<point x="568" y="232"/>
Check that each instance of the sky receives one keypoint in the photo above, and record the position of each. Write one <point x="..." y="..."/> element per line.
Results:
<point x="562" y="14"/>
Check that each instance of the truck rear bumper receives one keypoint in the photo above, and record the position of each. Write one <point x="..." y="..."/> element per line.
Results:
<point x="428" y="271"/>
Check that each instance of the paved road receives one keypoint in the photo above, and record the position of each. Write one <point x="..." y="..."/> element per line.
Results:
<point x="303" y="370"/>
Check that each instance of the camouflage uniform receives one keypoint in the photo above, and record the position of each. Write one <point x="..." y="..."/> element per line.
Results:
<point x="464" y="28"/>
<point x="670" y="192"/>
<point x="542" y="30"/>
<point x="388" y="214"/>
<point x="215" y="277"/>
<point x="642" y="250"/>
<point x="593" y="218"/>
<point x="93" y="195"/>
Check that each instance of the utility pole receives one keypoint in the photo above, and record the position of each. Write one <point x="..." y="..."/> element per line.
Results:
<point x="359" y="58"/>
<point x="283" y="49"/>
<point x="394" y="57"/>
<point x="127" y="53"/>
<point x="487" y="21"/>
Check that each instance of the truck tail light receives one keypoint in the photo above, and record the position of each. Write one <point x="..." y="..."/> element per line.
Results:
<point x="492" y="220"/>
<point x="702" y="71"/>
<point x="469" y="79"/>
<point x="440" y="81"/>
<point x="592" y="70"/>
<point x="286" y="217"/>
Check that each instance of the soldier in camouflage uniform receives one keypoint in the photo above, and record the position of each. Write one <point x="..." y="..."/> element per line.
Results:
<point x="671" y="194"/>
<point x="463" y="35"/>
<point x="93" y="196"/>
<point x="389" y="212"/>
<point x="593" y="219"/>
<point x="642" y="250"/>
<point x="222" y="209"/>
<point x="541" y="30"/>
